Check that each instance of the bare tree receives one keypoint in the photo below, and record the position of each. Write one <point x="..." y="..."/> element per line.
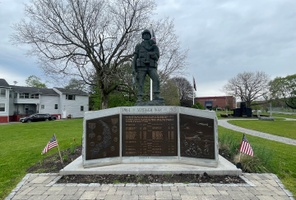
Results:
<point x="94" y="39"/>
<point x="248" y="86"/>
<point x="75" y="84"/>
<point x="172" y="56"/>
<point x="185" y="89"/>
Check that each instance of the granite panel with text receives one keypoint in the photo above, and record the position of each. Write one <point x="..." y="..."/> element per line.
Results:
<point x="102" y="137"/>
<point x="197" y="137"/>
<point x="149" y="135"/>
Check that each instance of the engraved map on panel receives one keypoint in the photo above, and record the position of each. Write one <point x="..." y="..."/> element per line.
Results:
<point x="149" y="135"/>
<point x="102" y="137"/>
<point x="197" y="137"/>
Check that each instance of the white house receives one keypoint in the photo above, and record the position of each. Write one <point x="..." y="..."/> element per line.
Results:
<point x="19" y="101"/>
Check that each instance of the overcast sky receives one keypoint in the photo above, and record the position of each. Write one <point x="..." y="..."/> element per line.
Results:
<point x="224" y="38"/>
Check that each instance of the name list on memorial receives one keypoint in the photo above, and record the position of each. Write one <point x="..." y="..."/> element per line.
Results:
<point x="149" y="135"/>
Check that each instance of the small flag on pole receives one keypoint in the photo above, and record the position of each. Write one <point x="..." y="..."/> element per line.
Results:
<point x="245" y="147"/>
<point x="194" y="85"/>
<point x="51" y="144"/>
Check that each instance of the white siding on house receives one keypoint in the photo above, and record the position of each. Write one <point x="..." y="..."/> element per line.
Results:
<point x="11" y="104"/>
<point x="47" y="104"/>
<point x="27" y="101"/>
<point x="4" y="102"/>
<point x="73" y="107"/>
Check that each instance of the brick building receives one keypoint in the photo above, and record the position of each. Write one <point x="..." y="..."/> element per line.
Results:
<point x="220" y="102"/>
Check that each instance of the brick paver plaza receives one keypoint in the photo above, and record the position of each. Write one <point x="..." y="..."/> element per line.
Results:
<point x="44" y="186"/>
<point x="258" y="186"/>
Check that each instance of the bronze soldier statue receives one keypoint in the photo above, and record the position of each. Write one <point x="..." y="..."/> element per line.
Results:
<point x="145" y="60"/>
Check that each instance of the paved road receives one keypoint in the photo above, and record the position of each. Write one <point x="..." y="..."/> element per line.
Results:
<point x="224" y="123"/>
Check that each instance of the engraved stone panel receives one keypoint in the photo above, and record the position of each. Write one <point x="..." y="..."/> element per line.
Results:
<point x="149" y="135"/>
<point x="102" y="137"/>
<point x="197" y="137"/>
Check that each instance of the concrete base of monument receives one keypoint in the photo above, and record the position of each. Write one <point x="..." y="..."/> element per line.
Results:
<point x="224" y="168"/>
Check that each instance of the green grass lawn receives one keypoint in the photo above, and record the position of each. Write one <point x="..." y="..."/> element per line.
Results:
<point x="281" y="158"/>
<point x="293" y="115"/>
<point x="21" y="146"/>
<point x="275" y="115"/>
<point x="277" y="127"/>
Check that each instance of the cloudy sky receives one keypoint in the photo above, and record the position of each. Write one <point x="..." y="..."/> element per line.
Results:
<point x="224" y="38"/>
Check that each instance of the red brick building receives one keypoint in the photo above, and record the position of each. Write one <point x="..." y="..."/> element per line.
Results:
<point x="220" y="102"/>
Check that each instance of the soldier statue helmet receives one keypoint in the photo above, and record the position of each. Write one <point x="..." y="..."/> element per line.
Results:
<point x="145" y="60"/>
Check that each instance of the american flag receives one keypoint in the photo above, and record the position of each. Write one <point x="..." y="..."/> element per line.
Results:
<point x="51" y="144"/>
<point x="194" y="85"/>
<point x="245" y="147"/>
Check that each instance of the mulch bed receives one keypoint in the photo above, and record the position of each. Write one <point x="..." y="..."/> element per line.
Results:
<point x="52" y="164"/>
<point x="150" y="178"/>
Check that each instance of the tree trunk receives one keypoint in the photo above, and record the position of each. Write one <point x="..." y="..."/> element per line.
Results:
<point x="104" y="100"/>
<point x="248" y="104"/>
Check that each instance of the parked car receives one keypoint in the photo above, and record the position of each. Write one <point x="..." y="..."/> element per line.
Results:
<point x="37" y="117"/>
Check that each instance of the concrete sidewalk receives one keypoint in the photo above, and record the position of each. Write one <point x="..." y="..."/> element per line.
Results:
<point x="224" y="123"/>
<point x="44" y="186"/>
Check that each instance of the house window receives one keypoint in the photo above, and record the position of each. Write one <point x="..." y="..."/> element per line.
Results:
<point x="42" y="106"/>
<point x="24" y="95"/>
<point x="70" y="97"/>
<point x="2" y="92"/>
<point x="55" y="106"/>
<point x="2" y="107"/>
<point x="34" y="96"/>
<point x="81" y="108"/>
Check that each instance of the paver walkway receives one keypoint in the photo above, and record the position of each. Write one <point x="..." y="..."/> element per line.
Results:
<point x="44" y="186"/>
<point x="224" y="123"/>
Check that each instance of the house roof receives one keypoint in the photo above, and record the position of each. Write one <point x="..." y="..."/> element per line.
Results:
<point x="42" y="91"/>
<point x="3" y="83"/>
<point x="72" y="92"/>
<point x="33" y="90"/>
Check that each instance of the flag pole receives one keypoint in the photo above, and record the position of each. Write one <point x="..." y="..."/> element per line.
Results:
<point x="151" y="82"/>
<point x="193" y="95"/>
<point x="151" y="89"/>
<point x="194" y="90"/>
<point x="59" y="149"/>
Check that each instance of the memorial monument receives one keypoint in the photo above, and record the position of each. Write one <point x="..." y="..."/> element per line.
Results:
<point x="148" y="133"/>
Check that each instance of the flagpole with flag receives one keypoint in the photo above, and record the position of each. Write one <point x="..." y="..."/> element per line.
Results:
<point x="53" y="142"/>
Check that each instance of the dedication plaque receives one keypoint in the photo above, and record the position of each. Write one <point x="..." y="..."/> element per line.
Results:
<point x="102" y="137"/>
<point x="197" y="137"/>
<point x="149" y="135"/>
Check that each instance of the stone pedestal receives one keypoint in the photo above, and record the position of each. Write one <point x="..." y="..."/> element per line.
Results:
<point x="150" y="134"/>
